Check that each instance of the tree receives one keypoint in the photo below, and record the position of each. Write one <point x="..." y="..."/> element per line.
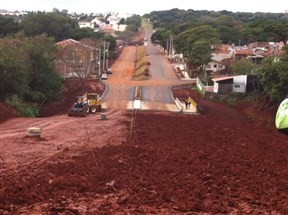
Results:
<point x="14" y="67"/>
<point x="280" y="31"/>
<point x="161" y="36"/>
<point x="126" y="35"/>
<point x="274" y="77"/>
<point x="27" y="72"/>
<point x="81" y="57"/>
<point x="133" y="22"/>
<point x="82" y="33"/>
<point x="243" y="67"/>
<point x="122" y="21"/>
<point x="112" y="45"/>
<point x="7" y="26"/>
<point x="54" y="25"/>
<point x="196" y="45"/>
<point x="44" y="82"/>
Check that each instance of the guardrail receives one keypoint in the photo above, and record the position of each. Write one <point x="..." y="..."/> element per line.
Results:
<point x="178" y="104"/>
<point x="192" y="102"/>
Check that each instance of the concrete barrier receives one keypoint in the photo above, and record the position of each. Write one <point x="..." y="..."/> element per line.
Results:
<point x="34" y="131"/>
<point x="178" y="104"/>
<point x="137" y="104"/>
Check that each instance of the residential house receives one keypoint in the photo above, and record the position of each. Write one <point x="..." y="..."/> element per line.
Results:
<point x="119" y="27"/>
<point x="242" y="52"/>
<point x="97" y="23"/>
<point x="237" y="84"/>
<point x="85" y="24"/>
<point x="113" y="20"/>
<point x="219" y="63"/>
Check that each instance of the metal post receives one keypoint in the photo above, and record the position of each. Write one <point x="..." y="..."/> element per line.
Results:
<point x="107" y="55"/>
<point x="104" y="49"/>
<point x="99" y="62"/>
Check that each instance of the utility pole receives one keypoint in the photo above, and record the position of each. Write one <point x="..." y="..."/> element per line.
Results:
<point x="99" y="63"/>
<point x="171" y="46"/>
<point x="107" y="55"/>
<point x="167" y="46"/>
<point x="104" y="50"/>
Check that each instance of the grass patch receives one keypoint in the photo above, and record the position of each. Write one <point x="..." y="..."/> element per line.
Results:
<point x="231" y="98"/>
<point x="25" y="109"/>
<point x="142" y="65"/>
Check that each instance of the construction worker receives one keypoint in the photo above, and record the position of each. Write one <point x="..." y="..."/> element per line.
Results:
<point x="187" y="103"/>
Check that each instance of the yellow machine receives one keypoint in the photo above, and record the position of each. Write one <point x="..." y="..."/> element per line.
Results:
<point x="88" y="103"/>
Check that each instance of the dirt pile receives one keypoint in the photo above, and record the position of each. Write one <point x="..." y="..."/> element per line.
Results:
<point x="6" y="112"/>
<point x="171" y="164"/>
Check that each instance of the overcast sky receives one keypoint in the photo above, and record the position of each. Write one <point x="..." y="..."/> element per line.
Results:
<point x="140" y="7"/>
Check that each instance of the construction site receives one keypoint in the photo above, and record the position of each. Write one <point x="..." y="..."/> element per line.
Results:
<point x="137" y="154"/>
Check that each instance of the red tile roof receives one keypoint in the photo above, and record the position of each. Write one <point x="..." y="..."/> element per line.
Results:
<point x="244" y="52"/>
<point x="64" y="43"/>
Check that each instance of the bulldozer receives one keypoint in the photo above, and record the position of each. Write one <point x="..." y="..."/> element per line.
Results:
<point x="85" y="104"/>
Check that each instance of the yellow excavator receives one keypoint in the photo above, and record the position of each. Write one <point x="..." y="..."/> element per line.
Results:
<point x="87" y="103"/>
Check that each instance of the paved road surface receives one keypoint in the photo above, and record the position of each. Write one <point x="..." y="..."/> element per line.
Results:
<point x="156" y="91"/>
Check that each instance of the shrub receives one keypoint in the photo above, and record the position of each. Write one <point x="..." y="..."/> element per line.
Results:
<point x="25" y="109"/>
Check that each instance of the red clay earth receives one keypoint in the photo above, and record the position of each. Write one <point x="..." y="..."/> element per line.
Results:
<point x="218" y="162"/>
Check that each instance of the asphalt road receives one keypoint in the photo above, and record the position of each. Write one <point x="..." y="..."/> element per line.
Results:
<point x="156" y="92"/>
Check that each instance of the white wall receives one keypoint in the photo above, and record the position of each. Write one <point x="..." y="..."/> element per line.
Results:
<point x="240" y="83"/>
<point x="216" y="86"/>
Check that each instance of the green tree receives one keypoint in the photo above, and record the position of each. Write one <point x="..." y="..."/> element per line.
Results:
<point x="82" y="33"/>
<point x="196" y="44"/>
<point x="122" y="21"/>
<point x="53" y="24"/>
<point x="280" y="31"/>
<point x="126" y="35"/>
<point x="133" y="22"/>
<point x="274" y="77"/>
<point x="44" y="82"/>
<point x="243" y="67"/>
<point x="27" y="72"/>
<point x="14" y="68"/>
<point x="112" y="45"/>
<point x="7" y="26"/>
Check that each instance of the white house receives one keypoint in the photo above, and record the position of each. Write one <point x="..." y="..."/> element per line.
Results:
<point x="227" y="84"/>
<point x="113" y="20"/>
<point x="117" y="27"/>
<point x="85" y="24"/>
<point x="98" y="22"/>
<point x="218" y="63"/>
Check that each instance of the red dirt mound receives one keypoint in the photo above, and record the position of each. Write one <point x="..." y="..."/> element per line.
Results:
<point x="6" y="112"/>
<point x="262" y="111"/>
<point x="173" y="164"/>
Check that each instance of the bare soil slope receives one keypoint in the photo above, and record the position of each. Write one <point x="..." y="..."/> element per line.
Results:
<point x="218" y="162"/>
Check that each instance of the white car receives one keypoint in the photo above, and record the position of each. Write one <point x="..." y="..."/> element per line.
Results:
<point x="109" y="71"/>
<point x="104" y="76"/>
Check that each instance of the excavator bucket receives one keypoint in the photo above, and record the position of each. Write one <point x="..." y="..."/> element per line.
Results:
<point x="78" y="112"/>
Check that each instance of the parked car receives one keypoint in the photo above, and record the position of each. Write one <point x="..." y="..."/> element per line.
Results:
<point x="104" y="76"/>
<point x="109" y="71"/>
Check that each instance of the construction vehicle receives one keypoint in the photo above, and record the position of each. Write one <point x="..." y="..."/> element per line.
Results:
<point x="88" y="103"/>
